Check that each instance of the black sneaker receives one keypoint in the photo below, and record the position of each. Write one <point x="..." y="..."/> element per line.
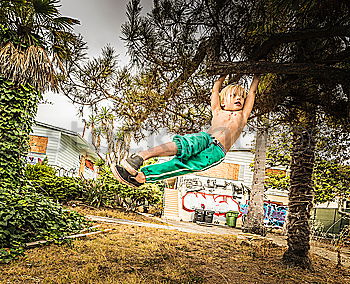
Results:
<point x="132" y="164"/>
<point x="124" y="176"/>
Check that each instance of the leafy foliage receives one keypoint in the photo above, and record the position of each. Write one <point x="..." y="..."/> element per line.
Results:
<point x="45" y="181"/>
<point x="25" y="215"/>
<point x="28" y="216"/>
<point x="107" y="191"/>
<point x="330" y="180"/>
<point x="18" y="107"/>
<point x="279" y="181"/>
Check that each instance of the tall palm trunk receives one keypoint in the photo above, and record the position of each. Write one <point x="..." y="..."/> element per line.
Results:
<point x="301" y="191"/>
<point x="84" y="129"/>
<point x="254" y="222"/>
<point x="110" y="138"/>
<point x="122" y="145"/>
<point x="93" y="136"/>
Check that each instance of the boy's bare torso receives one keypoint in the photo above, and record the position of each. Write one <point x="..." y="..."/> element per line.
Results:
<point x="226" y="126"/>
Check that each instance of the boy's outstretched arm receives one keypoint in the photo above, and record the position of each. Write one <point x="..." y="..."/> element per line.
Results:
<point x="215" y="99"/>
<point x="249" y="101"/>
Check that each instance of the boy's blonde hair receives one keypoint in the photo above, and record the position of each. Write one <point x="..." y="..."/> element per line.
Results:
<point x="236" y="89"/>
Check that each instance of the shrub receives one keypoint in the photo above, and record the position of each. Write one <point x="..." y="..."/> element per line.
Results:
<point x="44" y="179"/>
<point x="104" y="191"/>
<point x="28" y="216"/>
<point x="107" y="191"/>
<point x="25" y="215"/>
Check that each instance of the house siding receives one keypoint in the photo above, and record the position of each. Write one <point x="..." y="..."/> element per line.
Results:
<point x="68" y="153"/>
<point x="64" y="148"/>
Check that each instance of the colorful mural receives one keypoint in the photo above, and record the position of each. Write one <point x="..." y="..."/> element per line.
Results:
<point x="274" y="213"/>
<point x="214" y="202"/>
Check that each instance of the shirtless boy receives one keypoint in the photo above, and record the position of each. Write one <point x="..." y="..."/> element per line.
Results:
<point x="199" y="151"/>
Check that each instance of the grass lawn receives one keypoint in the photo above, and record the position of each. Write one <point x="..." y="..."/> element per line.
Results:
<point x="131" y="254"/>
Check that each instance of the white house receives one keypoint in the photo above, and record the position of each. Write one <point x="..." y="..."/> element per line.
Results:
<point x="64" y="149"/>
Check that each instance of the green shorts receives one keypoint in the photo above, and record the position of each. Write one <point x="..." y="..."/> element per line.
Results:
<point x="196" y="152"/>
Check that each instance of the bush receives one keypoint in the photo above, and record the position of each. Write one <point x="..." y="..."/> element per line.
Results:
<point x="104" y="191"/>
<point x="27" y="216"/>
<point x="107" y="191"/>
<point x="43" y="178"/>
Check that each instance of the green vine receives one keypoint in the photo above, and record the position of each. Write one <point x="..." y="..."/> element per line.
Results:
<point x="18" y="106"/>
<point x="25" y="214"/>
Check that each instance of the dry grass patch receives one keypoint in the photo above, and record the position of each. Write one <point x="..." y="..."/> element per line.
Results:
<point x="114" y="213"/>
<point x="131" y="254"/>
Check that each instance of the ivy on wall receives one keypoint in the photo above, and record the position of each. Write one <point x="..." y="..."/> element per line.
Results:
<point x="25" y="214"/>
<point x="18" y="106"/>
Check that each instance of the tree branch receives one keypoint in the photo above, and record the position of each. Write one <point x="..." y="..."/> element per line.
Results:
<point x="260" y="51"/>
<point x="186" y="74"/>
<point x="337" y="57"/>
<point x="262" y="67"/>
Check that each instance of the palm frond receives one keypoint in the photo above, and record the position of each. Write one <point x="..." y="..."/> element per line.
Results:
<point x="35" y="42"/>
<point x="48" y="8"/>
<point x="64" y="23"/>
<point x="32" y="66"/>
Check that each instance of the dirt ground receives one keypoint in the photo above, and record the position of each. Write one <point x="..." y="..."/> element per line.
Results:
<point x="137" y="253"/>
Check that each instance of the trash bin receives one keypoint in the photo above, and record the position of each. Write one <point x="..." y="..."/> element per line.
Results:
<point x="209" y="216"/>
<point x="231" y="218"/>
<point x="199" y="215"/>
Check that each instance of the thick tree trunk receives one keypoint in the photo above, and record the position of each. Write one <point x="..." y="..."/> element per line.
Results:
<point x="301" y="192"/>
<point x="254" y="222"/>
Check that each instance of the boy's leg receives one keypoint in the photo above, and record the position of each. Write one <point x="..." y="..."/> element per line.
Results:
<point x="190" y="147"/>
<point x="206" y="159"/>
<point x="135" y="161"/>
<point x="183" y="147"/>
<point x="164" y="150"/>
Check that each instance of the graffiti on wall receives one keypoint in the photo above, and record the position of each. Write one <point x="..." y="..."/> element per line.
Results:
<point x="214" y="202"/>
<point x="192" y="183"/>
<point x="274" y="213"/>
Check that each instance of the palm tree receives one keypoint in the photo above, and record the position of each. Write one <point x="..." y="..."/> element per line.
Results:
<point x="106" y="119"/>
<point x="255" y="217"/>
<point x="254" y="223"/>
<point x="122" y="143"/>
<point x="35" y="41"/>
<point x="92" y="123"/>
<point x="301" y="191"/>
